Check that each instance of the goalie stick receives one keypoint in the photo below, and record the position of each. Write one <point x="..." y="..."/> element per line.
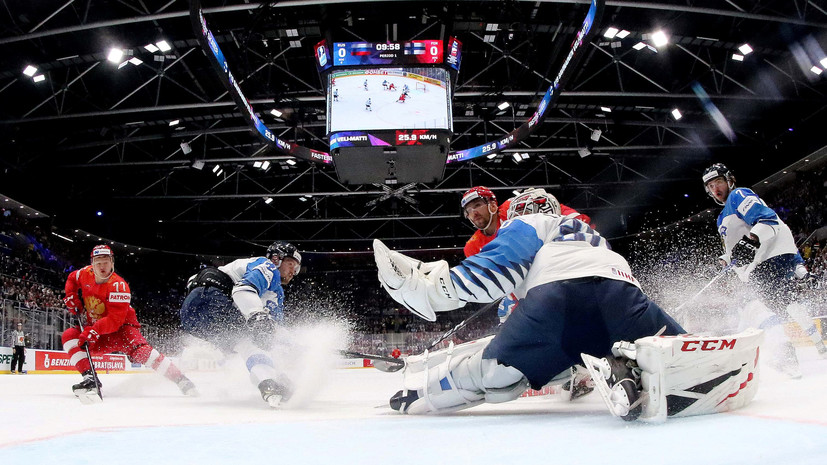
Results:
<point x="677" y="312"/>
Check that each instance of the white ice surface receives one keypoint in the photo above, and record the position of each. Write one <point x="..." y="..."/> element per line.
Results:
<point x="422" y="110"/>
<point x="145" y="420"/>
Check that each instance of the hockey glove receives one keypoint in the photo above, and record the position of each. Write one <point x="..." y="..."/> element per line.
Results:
<point x="88" y="336"/>
<point x="263" y="329"/>
<point x="808" y="282"/>
<point x="72" y="302"/>
<point x="744" y="250"/>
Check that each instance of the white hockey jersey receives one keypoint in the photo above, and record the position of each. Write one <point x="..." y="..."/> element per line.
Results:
<point x="744" y="213"/>
<point x="537" y="249"/>
<point x="262" y="275"/>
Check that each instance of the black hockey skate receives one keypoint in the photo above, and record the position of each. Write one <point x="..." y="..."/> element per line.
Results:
<point x="187" y="387"/>
<point x="402" y="399"/>
<point x="618" y="382"/>
<point x="88" y="390"/>
<point x="273" y="392"/>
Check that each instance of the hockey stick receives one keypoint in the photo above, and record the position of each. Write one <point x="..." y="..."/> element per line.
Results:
<point x="724" y="271"/>
<point x="464" y="322"/>
<point x="381" y="363"/>
<point x="82" y="322"/>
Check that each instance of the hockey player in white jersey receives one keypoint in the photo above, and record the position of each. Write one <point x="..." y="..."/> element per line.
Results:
<point x="764" y="254"/>
<point x="237" y="308"/>
<point x="576" y="297"/>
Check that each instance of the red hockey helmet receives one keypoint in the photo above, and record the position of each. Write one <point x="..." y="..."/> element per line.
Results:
<point x="478" y="192"/>
<point x="102" y="250"/>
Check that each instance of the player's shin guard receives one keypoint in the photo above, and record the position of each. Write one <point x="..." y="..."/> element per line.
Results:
<point x="77" y="356"/>
<point x="456" y="378"/>
<point x="692" y="375"/>
<point x="150" y="357"/>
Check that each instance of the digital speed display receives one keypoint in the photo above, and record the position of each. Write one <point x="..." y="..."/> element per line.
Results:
<point x="387" y="53"/>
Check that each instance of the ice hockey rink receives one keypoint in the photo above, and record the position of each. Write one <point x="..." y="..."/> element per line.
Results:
<point x="422" y="110"/>
<point x="345" y="420"/>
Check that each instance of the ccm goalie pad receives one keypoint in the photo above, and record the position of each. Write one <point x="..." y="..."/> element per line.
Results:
<point x="456" y="378"/>
<point x="685" y="375"/>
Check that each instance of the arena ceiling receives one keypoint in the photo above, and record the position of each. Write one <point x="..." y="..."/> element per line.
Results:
<point x="95" y="137"/>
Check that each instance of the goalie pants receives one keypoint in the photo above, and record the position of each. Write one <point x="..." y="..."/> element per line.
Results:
<point x="558" y="321"/>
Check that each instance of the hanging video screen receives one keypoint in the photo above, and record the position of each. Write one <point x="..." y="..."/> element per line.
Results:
<point x="388" y="98"/>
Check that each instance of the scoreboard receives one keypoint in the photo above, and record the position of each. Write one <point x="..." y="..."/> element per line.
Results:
<point x="387" y="53"/>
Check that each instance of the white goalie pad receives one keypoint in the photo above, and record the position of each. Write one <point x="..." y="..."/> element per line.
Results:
<point x="457" y="378"/>
<point x="692" y="375"/>
<point x="423" y="288"/>
<point x="686" y="375"/>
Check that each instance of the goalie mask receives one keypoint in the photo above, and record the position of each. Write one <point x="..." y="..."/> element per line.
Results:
<point x="718" y="170"/>
<point x="280" y="250"/>
<point x="531" y="201"/>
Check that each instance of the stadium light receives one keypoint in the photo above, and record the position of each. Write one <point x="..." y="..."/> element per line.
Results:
<point x="595" y="135"/>
<point x="174" y="122"/>
<point x="185" y="147"/>
<point x="745" y="49"/>
<point x="115" y="55"/>
<point x="622" y="34"/>
<point x="823" y="62"/>
<point x="816" y="70"/>
<point x="265" y="165"/>
<point x="638" y="46"/>
<point x="291" y="162"/>
<point x="659" y="38"/>
<point x="216" y="168"/>
<point x="135" y="61"/>
<point x="151" y="48"/>
<point x="611" y="32"/>
<point x="268" y="200"/>
<point x="30" y="70"/>
<point x="39" y="78"/>
<point x="517" y="158"/>
<point x="503" y="105"/>
<point x="737" y="57"/>
<point x="257" y="164"/>
<point x="275" y="113"/>
<point x="606" y="109"/>
<point x="676" y="114"/>
<point x="584" y="152"/>
<point x="163" y="46"/>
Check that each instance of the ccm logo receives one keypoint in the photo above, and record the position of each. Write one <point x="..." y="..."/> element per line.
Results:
<point x="119" y="297"/>
<point x="714" y="344"/>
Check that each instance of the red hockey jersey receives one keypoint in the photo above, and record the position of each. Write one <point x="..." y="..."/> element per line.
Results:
<point x="107" y="305"/>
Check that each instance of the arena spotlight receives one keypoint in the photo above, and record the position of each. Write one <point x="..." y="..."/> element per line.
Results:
<point x="216" y="168"/>
<point x="185" y="147"/>
<point x="503" y="105"/>
<point x="163" y="46"/>
<point x="291" y="162"/>
<point x="584" y="152"/>
<point x="151" y="48"/>
<point x="265" y="165"/>
<point x="622" y="34"/>
<point x="816" y="70"/>
<point x="638" y="46"/>
<point x="737" y="57"/>
<point x="606" y="109"/>
<point x="611" y="32"/>
<point x="517" y="157"/>
<point x="676" y="114"/>
<point x="276" y="113"/>
<point x="595" y="135"/>
<point x="823" y="62"/>
<point x="256" y="164"/>
<point x="174" y="122"/>
<point x="115" y="55"/>
<point x="268" y="200"/>
<point x="659" y="38"/>
<point x="30" y="70"/>
<point x="745" y="49"/>
<point x="39" y="78"/>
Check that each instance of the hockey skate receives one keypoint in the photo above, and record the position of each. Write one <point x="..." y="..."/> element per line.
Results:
<point x="187" y="387"/>
<point x="88" y="390"/>
<point x="402" y="399"/>
<point x="618" y="382"/>
<point x="274" y="393"/>
<point x="580" y="384"/>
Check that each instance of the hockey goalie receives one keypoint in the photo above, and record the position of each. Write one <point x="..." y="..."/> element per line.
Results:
<point x="576" y="296"/>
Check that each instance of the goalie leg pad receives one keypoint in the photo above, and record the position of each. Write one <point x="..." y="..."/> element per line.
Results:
<point x="455" y="379"/>
<point x="692" y="375"/>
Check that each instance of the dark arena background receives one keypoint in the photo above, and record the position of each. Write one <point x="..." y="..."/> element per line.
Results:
<point x="189" y="134"/>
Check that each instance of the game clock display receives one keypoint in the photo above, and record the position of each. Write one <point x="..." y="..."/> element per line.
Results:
<point x="387" y="53"/>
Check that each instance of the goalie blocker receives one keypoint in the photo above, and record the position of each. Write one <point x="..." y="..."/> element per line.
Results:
<point x="678" y="376"/>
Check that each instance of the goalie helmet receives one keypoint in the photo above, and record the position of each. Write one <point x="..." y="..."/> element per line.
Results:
<point x="718" y="170"/>
<point x="533" y="200"/>
<point x="281" y="249"/>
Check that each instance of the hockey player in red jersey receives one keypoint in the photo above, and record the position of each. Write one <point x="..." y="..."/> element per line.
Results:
<point x="110" y="323"/>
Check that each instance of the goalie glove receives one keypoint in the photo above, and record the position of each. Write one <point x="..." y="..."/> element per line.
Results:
<point x="423" y="288"/>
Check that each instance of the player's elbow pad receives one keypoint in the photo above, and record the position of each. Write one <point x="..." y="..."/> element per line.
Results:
<point x="247" y="300"/>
